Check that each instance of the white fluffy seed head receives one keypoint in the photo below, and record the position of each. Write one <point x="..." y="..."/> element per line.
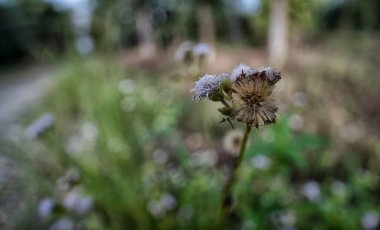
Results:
<point x="270" y="74"/>
<point x="207" y="85"/>
<point x="242" y="68"/>
<point x="202" y="49"/>
<point x="184" y="53"/>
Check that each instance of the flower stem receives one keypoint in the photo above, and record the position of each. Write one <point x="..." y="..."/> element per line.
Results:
<point x="227" y="195"/>
<point x="224" y="102"/>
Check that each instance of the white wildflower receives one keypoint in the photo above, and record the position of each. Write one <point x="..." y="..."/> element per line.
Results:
<point x="168" y="201"/>
<point x="201" y="49"/>
<point x="271" y="74"/>
<point x="64" y="223"/>
<point x="370" y="220"/>
<point x="261" y="162"/>
<point x="45" y="208"/>
<point x="40" y="125"/>
<point x="184" y="53"/>
<point x="66" y="181"/>
<point x="204" y="158"/>
<point x="311" y="190"/>
<point x="77" y="202"/>
<point x="242" y="68"/>
<point x="158" y="208"/>
<point x="207" y="85"/>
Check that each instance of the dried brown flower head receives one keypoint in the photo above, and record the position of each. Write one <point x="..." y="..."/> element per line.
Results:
<point x="253" y="99"/>
<point x="246" y="94"/>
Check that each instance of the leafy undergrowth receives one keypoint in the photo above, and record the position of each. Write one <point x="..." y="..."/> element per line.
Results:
<point x="144" y="156"/>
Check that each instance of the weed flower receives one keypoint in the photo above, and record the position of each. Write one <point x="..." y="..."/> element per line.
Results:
<point x="188" y="52"/>
<point x="246" y="95"/>
<point x="158" y="208"/>
<point x="63" y="223"/>
<point x="45" y="208"/>
<point x="252" y="95"/>
<point x="242" y="68"/>
<point x="38" y="127"/>
<point x="370" y="220"/>
<point x="184" y="53"/>
<point x="312" y="191"/>
<point x="77" y="202"/>
<point x="208" y="85"/>
<point x="261" y="162"/>
<point x="269" y="74"/>
<point x="201" y="50"/>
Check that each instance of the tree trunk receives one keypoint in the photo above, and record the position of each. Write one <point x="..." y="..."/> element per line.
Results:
<point x="277" y="33"/>
<point x="234" y="28"/>
<point x="206" y="24"/>
<point x="145" y="32"/>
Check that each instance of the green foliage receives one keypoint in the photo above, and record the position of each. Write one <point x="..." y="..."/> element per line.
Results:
<point x="33" y="28"/>
<point x="118" y="169"/>
<point x="135" y="161"/>
<point x="350" y="14"/>
<point x="280" y="141"/>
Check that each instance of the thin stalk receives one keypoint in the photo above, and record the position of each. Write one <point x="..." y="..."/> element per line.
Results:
<point x="224" y="102"/>
<point x="227" y="199"/>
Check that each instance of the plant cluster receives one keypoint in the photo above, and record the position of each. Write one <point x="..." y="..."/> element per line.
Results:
<point x="143" y="161"/>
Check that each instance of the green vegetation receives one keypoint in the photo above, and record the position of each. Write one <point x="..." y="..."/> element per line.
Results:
<point x="130" y="135"/>
<point x="125" y="147"/>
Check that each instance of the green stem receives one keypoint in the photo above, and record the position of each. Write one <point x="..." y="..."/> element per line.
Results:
<point x="227" y="199"/>
<point x="224" y="102"/>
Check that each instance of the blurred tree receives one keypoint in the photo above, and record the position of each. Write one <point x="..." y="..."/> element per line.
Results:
<point x="12" y="44"/>
<point x="29" y="28"/>
<point x="117" y="23"/>
<point x="205" y="13"/>
<point x="234" y="28"/>
<point x="54" y="32"/>
<point x="205" y="21"/>
<point x="106" y="26"/>
<point x="349" y="14"/>
<point x="147" y="41"/>
<point x="145" y="31"/>
<point x="278" y="33"/>
<point x="299" y="15"/>
<point x="150" y="23"/>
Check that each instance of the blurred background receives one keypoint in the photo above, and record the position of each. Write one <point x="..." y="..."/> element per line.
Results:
<point x="98" y="129"/>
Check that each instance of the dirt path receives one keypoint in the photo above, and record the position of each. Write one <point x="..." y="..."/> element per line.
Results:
<point x="18" y="92"/>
